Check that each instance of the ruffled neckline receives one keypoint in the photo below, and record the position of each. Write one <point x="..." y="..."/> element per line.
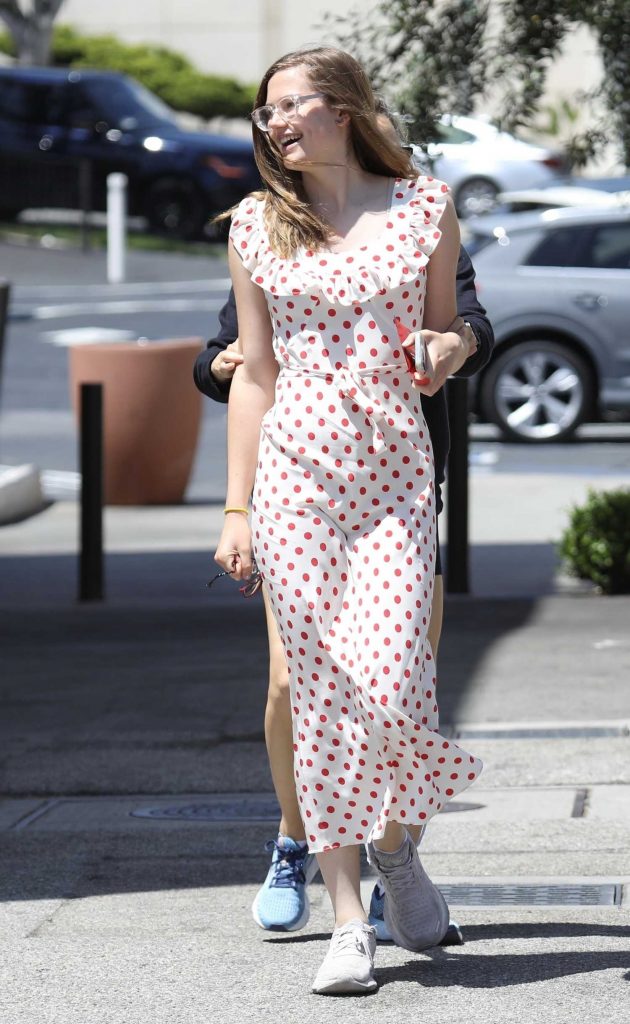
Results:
<point x="395" y="256"/>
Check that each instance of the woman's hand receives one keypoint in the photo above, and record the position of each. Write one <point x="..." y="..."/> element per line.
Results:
<point x="446" y="354"/>
<point x="234" y="551"/>
<point x="224" y="364"/>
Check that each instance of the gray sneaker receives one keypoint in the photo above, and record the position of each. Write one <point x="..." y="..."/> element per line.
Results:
<point x="416" y="914"/>
<point x="348" y="966"/>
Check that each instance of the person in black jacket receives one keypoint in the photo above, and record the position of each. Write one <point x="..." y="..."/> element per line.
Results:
<point x="282" y="902"/>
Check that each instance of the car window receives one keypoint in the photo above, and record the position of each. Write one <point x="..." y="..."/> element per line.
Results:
<point x="449" y="133"/>
<point x="24" y="102"/>
<point x="127" y="105"/>
<point x="478" y="241"/>
<point x="79" y="110"/>
<point x="609" y="247"/>
<point x="560" y="247"/>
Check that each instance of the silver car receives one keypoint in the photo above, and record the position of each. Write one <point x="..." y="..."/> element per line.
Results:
<point x="478" y="161"/>
<point x="556" y="285"/>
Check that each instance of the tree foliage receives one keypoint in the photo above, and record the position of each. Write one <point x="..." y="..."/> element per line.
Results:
<point x="418" y="54"/>
<point x="433" y="57"/>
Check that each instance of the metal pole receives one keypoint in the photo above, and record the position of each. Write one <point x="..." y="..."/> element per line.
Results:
<point x="116" y="227"/>
<point x="91" y="582"/>
<point x="457" y="566"/>
<point x="85" y="201"/>
<point x="5" y="289"/>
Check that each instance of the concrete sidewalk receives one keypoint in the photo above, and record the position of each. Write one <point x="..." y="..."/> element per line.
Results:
<point x="138" y="798"/>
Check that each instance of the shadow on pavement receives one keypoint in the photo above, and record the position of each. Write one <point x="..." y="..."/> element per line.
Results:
<point x="159" y="690"/>
<point x="500" y="970"/>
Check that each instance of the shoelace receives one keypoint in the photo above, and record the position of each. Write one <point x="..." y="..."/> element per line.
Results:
<point x="289" y="868"/>
<point x="397" y="875"/>
<point x="348" y="941"/>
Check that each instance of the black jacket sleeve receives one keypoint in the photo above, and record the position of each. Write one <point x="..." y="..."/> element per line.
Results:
<point x="470" y="309"/>
<point x="228" y="332"/>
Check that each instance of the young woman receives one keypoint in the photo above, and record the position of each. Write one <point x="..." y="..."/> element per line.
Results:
<point x="326" y="427"/>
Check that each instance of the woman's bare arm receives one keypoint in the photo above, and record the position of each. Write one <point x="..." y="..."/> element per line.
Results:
<point x="251" y="395"/>
<point x="447" y="351"/>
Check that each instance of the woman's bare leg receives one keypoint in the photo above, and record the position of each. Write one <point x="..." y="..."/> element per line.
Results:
<point x="279" y="733"/>
<point x="341" y="873"/>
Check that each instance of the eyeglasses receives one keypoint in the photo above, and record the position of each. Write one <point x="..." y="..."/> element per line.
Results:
<point x="287" y="107"/>
<point x="250" y="586"/>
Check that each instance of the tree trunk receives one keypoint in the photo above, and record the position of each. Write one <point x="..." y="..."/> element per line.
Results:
<point x="34" y="45"/>
<point x="32" y="32"/>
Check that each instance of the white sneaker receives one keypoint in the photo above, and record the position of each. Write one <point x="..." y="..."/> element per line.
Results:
<point x="349" y="963"/>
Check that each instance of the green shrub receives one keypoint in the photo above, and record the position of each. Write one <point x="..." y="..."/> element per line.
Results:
<point x="167" y="73"/>
<point x="7" y="45"/>
<point x="67" y="45"/>
<point x="596" y="544"/>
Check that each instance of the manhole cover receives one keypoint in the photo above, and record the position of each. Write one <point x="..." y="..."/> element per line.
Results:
<point x="253" y="808"/>
<point x="480" y="895"/>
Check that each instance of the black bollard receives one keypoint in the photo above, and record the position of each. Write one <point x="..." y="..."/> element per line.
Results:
<point x="91" y="582"/>
<point x="457" y="565"/>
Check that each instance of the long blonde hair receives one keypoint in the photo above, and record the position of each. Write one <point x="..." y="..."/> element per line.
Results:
<point x="290" y="220"/>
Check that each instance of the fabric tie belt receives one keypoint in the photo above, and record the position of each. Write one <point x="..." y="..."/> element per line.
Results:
<point x="352" y="383"/>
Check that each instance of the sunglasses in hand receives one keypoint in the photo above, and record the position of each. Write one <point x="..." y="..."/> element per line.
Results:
<point x="250" y="586"/>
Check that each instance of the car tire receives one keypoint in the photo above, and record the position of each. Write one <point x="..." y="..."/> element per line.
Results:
<point x="175" y="209"/>
<point x="476" y="196"/>
<point x="537" y="392"/>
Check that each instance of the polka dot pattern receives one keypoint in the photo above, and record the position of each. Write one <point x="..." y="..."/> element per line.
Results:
<point x="344" y="527"/>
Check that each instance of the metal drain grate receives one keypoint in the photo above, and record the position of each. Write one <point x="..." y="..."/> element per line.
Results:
<point x="539" y="732"/>
<point x="480" y="895"/>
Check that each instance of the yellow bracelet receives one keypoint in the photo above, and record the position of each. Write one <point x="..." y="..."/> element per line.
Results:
<point x="245" y="511"/>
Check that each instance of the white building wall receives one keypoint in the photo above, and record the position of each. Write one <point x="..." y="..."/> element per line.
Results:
<point x="224" y="37"/>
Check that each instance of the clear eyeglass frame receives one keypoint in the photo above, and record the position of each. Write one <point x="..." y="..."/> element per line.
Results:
<point x="287" y="107"/>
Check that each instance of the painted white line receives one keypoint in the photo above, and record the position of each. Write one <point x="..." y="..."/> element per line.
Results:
<point x="116" y="307"/>
<point x="59" y="477"/>
<point x="489" y="458"/>
<point x="221" y="284"/>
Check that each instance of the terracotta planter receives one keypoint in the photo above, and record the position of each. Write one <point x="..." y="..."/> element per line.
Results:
<point x="151" y="417"/>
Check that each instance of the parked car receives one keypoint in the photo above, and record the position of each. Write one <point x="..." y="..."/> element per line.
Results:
<point x="56" y="125"/>
<point x="566" y="194"/>
<point x="478" y="161"/>
<point x="556" y="285"/>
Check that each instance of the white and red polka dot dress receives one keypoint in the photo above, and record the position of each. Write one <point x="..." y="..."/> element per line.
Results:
<point x="344" y="524"/>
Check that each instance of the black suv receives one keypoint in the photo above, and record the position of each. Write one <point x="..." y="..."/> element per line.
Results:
<point x="63" y="131"/>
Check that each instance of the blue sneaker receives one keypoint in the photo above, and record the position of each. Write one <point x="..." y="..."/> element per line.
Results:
<point x="282" y="904"/>
<point x="376" y="915"/>
<point x="376" y="918"/>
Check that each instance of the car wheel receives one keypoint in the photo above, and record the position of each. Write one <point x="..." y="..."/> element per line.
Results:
<point x="537" y="391"/>
<point x="175" y="209"/>
<point x="476" y="196"/>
